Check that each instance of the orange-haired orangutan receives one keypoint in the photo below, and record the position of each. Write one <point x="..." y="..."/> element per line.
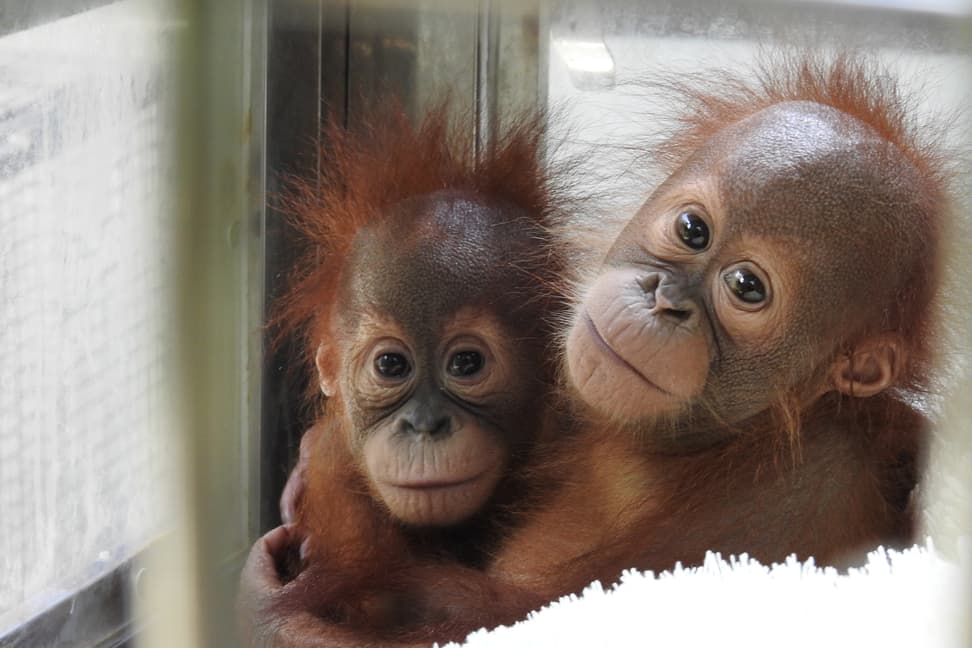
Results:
<point x="741" y="360"/>
<point x="745" y="350"/>
<point x="426" y="305"/>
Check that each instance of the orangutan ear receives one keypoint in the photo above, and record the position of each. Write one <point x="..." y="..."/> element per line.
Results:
<point x="870" y="368"/>
<point x="326" y="361"/>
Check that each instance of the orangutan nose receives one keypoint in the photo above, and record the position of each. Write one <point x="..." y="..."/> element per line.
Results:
<point x="665" y="298"/>
<point x="427" y="425"/>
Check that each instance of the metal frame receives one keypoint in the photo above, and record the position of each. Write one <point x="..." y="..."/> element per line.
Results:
<point x="99" y="614"/>
<point x="18" y="16"/>
<point x="307" y="68"/>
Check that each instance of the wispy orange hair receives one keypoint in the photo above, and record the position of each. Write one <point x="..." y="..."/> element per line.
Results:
<point x="390" y="160"/>
<point x="849" y="82"/>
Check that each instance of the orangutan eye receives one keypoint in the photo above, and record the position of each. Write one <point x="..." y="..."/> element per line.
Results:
<point x="465" y="363"/>
<point x="392" y="365"/>
<point x="745" y="285"/>
<point x="693" y="230"/>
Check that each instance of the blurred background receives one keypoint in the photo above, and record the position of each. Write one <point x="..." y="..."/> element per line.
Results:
<point x="146" y="429"/>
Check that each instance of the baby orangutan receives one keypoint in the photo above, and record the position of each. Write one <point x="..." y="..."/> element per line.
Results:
<point x="426" y="305"/>
<point x="743" y="356"/>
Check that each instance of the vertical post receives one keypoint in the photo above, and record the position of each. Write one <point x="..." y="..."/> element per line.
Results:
<point x="487" y="55"/>
<point x="306" y="83"/>
<point x="218" y="270"/>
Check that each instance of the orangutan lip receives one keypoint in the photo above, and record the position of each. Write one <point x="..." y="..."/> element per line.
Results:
<point x="613" y="354"/>
<point x="434" y="484"/>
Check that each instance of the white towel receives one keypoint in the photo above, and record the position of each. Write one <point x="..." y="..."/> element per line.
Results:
<point x="912" y="598"/>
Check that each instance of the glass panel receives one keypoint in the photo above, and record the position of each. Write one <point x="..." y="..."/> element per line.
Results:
<point x="86" y="256"/>
<point x="600" y="55"/>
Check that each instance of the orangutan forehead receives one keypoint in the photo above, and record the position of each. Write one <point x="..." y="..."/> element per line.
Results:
<point x="434" y="255"/>
<point x="419" y="291"/>
<point x="807" y="170"/>
<point x="803" y="145"/>
<point x="451" y="222"/>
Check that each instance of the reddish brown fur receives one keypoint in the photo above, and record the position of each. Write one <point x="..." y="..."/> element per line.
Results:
<point x="359" y="554"/>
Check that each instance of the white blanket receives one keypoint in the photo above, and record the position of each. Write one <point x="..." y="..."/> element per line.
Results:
<point x="913" y="598"/>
